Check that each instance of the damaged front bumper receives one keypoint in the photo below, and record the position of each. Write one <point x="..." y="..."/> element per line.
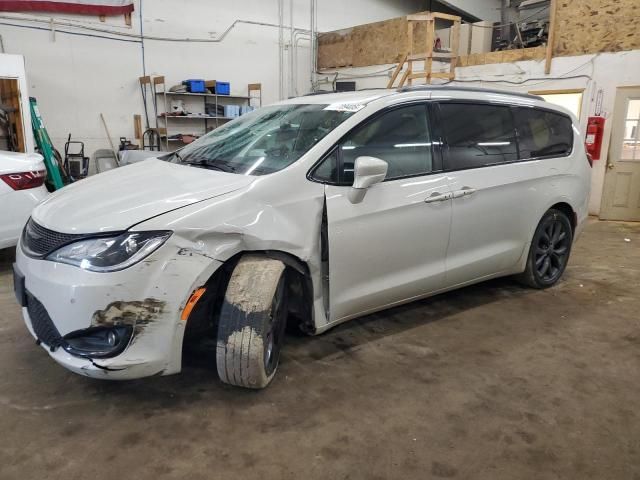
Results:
<point x="122" y="367"/>
<point x="136" y="310"/>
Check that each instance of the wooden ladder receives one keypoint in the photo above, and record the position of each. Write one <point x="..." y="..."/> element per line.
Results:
<point x="429" y="54"/>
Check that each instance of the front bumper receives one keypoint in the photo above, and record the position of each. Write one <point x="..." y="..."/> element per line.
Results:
<point x="148" y="296"/>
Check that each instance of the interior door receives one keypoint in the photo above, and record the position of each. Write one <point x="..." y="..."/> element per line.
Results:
<point x="391" y="246"/>
<point x="11" y="119"/>
<point x="621" y="196"/>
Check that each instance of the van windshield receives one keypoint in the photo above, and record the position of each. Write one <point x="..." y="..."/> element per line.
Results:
<point x="261" y="142"/>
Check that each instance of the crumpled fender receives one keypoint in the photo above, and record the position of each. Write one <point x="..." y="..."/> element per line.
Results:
<point x="257" y="218"/>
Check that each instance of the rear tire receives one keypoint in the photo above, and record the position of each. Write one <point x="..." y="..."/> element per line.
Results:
<point x="252" y="322"/>
<point x="549" y="251"/>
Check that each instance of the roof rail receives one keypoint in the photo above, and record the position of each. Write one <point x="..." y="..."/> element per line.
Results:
<point x="466" y="89"/>
<point x="319" y="92"/>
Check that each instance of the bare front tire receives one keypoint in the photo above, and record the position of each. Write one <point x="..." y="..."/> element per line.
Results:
<point x="549" y="251"/>
<point x="252" y="322"/>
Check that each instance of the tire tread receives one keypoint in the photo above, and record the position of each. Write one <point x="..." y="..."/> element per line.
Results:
<point x="244" y="313"/>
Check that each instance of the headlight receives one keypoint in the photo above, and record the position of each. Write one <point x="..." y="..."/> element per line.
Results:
<point x="108" y="254"/>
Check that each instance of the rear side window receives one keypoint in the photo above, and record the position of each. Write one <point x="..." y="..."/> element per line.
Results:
<point x="477" y="135"/>
<point x="542" y="133"/>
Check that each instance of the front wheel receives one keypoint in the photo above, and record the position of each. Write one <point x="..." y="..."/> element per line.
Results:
<point x="549" y="251"/>
<point x="252" y="322"/>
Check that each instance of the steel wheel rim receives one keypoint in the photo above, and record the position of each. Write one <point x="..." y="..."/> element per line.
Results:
<point x="275" y="332"/>
<point x="552" y="250"/>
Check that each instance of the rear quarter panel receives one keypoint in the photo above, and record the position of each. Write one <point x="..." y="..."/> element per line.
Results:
<point x="567" y="180"/>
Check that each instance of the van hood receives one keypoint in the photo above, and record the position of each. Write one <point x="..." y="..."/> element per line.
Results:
<point x="117" y="199"/>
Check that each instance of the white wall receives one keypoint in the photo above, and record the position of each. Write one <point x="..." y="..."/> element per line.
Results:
<point x="75" y="78"/>
<point x="606" y="71"/>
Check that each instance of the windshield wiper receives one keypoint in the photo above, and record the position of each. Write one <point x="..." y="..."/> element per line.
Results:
<point x="223" y="167"/>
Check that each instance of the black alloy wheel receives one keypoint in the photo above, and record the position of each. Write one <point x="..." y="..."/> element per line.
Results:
<point x="552" y="250"/>
<point x="549" y="251"/>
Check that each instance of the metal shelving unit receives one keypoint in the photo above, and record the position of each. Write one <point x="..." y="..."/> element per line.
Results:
<point x="170" y="122"/>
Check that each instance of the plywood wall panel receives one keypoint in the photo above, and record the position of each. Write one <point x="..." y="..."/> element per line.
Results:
<point x="379" y="43"/>
<point x="335" y="49"/>
<point x="582" y="27"/>
<point x="506" y="56"/>
<point x="596" y="26"/>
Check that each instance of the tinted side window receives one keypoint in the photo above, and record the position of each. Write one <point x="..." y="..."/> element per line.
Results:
<point x="400" y="137"/>
<point x="477" y="135"/>
<point x="542" y="133"/>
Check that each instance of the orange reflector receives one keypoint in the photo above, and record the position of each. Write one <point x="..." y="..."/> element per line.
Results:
<point x="193" y="299"/>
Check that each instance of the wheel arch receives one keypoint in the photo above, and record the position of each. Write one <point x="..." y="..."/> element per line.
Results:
<point x="204" y="315"/>
<point x="561" y="204"/>
<point x="569" y="211"/>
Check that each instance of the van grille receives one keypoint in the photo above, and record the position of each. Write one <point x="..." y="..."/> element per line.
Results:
<point x="38" y="241"/>
<point x="43" y="326"/>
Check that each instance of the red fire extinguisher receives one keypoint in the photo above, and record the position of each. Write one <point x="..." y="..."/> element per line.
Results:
<point x="593" y="141"/>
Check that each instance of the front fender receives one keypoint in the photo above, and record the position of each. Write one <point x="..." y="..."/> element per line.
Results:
<point x="255" y="220"/>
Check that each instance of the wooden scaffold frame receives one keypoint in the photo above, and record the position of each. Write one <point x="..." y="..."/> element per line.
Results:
<point x="429" y="54"/>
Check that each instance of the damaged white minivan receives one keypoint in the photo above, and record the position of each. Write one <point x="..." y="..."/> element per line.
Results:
<point x="317" y="210"/>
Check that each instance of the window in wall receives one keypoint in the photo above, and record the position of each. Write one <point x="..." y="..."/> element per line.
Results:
<point x="400" y="137"/>
<point x="569" y="99"/>
<point x="542" y="133"/>
<point x="477" y="135"/>
<point x="631" y="138"/>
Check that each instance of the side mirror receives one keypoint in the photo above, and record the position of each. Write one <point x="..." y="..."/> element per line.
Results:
<point x="367" y="171"/>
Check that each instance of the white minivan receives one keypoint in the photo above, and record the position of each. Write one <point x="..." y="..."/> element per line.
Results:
<point x="318" y="209"/>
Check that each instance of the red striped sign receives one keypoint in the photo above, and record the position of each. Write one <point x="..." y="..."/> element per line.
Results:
<point x="89" y="7"/>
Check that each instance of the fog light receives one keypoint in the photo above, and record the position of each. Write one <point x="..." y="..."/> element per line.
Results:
<point x="98" y="342"/>
<point x="112" y="338"/>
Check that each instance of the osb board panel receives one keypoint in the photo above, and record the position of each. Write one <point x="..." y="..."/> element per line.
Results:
<point x="505" y="56"/>
<point x="381" y="42"/>
<point x="371" y="44"/>
<point x="582" y="27"/>
<point x="335" y="49"/>
<point x="596" y="26"/>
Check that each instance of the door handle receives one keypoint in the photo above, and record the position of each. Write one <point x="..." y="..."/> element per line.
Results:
<point x="464" y="192"/>
<point x="437" y="197"/>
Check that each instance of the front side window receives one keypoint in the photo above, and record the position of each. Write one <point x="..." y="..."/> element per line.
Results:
<point x="400" y="137"/>
<point x="542" y="133"/>
<point x="477" y="135"/>
<point x="262" y="142"/>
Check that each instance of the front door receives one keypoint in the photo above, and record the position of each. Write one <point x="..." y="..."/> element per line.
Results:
<point x="391" y="246"/>
<point x="621" y="196"/>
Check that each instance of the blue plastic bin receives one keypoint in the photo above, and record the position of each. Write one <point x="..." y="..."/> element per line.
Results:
<point x="195" y="86"/>
<point x="223" y="88"/>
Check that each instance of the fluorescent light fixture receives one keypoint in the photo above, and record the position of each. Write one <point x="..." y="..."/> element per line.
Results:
<point x="405" y="145"/>
<point x="348" y="147"/>
<point x="493" y="144"/>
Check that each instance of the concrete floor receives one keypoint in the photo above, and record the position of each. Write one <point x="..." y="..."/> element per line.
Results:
<point x="491" y="382"/>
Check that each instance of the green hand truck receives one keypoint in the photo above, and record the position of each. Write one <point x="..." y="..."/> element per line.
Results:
<point x="45" y="146"/>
